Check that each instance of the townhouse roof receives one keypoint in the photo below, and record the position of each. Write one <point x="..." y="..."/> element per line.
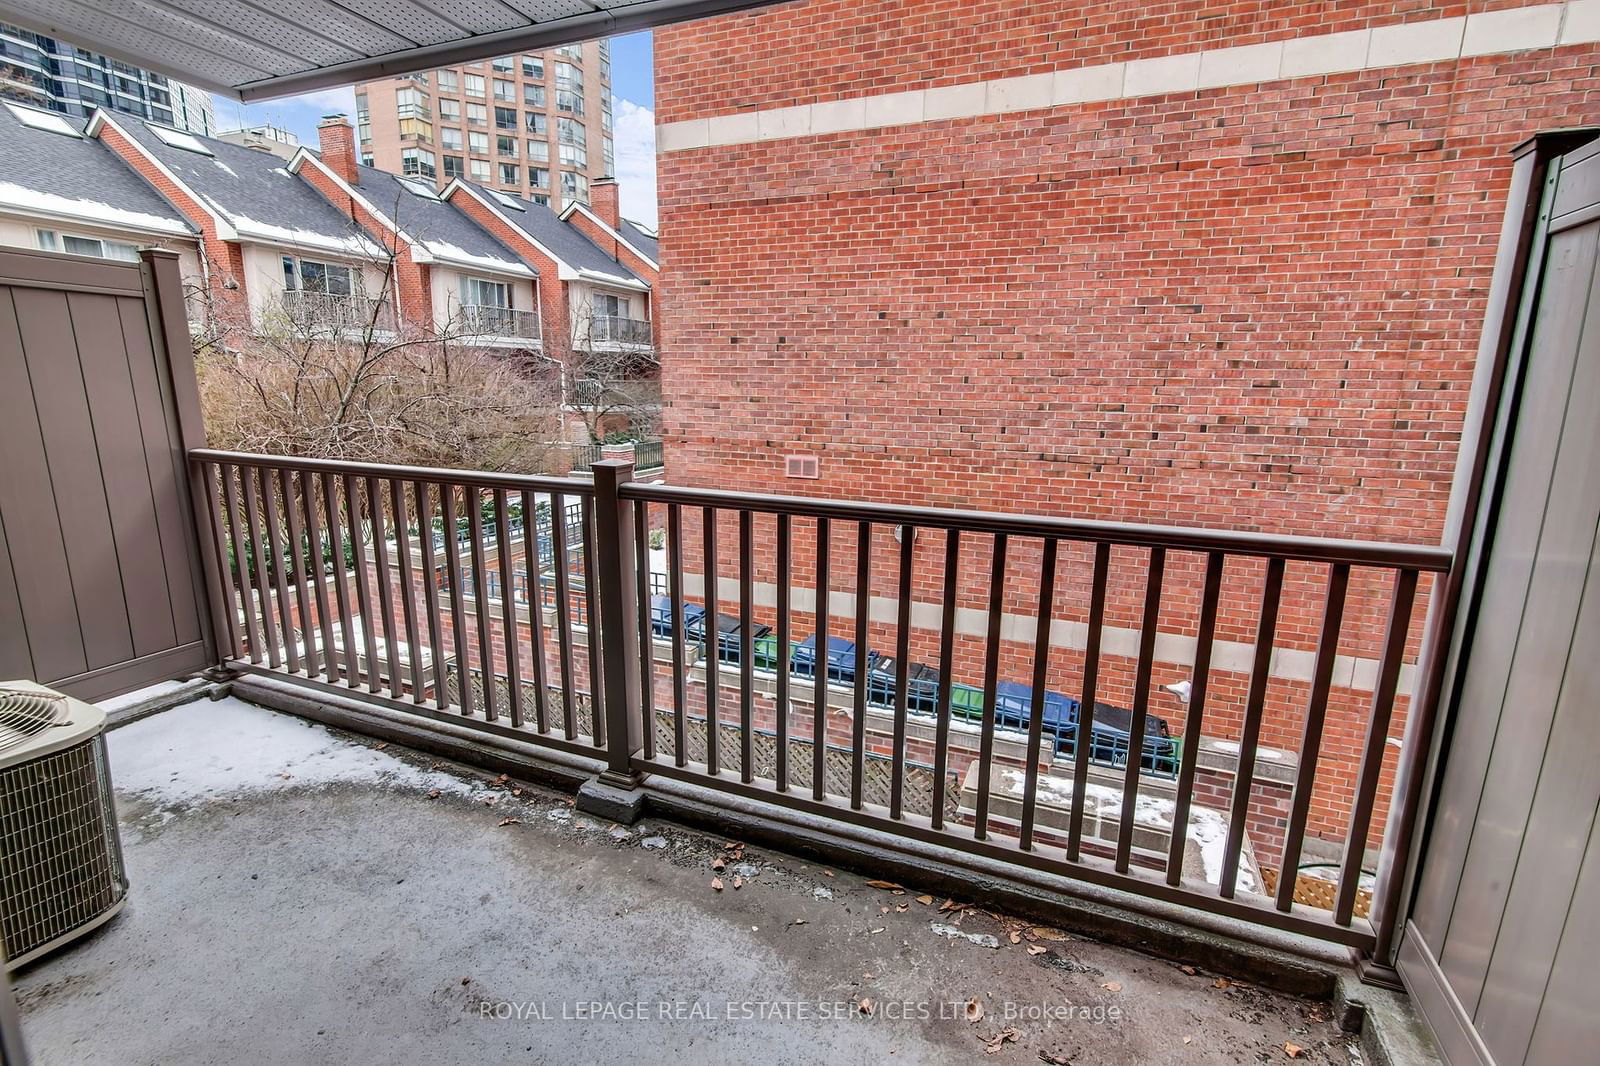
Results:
<point x="445" y="231"/>
<point x="66" y="175"/>
<point x="642" y="241"/>
<point x="577" y="253"/>
<point x="250" y="190"/>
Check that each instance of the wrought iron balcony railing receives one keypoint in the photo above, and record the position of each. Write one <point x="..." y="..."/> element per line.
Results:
<point x="618" y="330"/>
<point x="329" y="313"/>
<point x="485" y="320"/>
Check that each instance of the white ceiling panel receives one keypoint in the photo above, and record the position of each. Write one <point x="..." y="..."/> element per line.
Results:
<point x="256" y="49"/>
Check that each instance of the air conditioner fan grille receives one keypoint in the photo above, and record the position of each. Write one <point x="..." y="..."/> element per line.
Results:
<point x="25" y="714"/>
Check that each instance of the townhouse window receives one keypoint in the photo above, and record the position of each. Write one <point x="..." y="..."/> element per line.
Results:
<point x="570" y="131"/>
<point x="505" y="90"/>
<point x="476" y="292"/>
<point x="568" y="77"/>
<point x="506" y="146"/>
<point x="450" y="139"/>
<point x="454" y="167"/>
<point x="510" y="173"/>
<point x="539" y="177"/>
<point x="505" y="118"/>
<point x="477" y="115"/>
<point x="478" y="142"/>
<point x="537" y="122"/>
<point x="449" y="81"/>
<point x="539" y="151"/>
<point x="475" y="85"/>
<point x="534" y="96"/>
<point x="574" y="187"/>
<point x="479" y="169"/>
<point x="417" y="162"/>
<point x="533" y="67"/>
<point x="573" y="155"/>
<point x="609" y="305"/>
<point x="55" y="241"/>
<point x="311" y="275"/>
<point x="569" y="101"/>
<point x="501" y="65"/>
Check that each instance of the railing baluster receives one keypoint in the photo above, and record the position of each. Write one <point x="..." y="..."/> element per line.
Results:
<point x="210" y="478"/>
<point x="1311" y="736"/>
<point x="991" y="678"/>
<point x="1091" y="678"/>
<point x="269" y="515"/>
<point x="947" y="644"/>
<point x="711" y="649"/>
<point x="647" y="644"/>
<point x="902" y="674"/>
<point x="747" y="652"/>
<point x="533" y="578"/>
<point x="1394" y="653"/>
<point x="241" y="556"/>
<point x="1041" y="671"/>
<point x="297" y="560"/>
<point x="1255" y="700"/>
<point x="319" y="581"/>
<point x="369" y="635"/>
<point x="408" y="601"/>
<point x="330" y="504"/>
<point x="858" y="723"/>
<point x="380" y="559"/>
<point x="1195" y="716"/>
<point x="473" y="502"/>
<point x="1141" y="705"/>
<point x="458" y="610"/>
<point x="506" y="564"/>
<point x="819" y="707"/>
<point x="591" y="627"/>
<point x="423" y="494"/>
<point x="558" y="533"/>
<point x="783" y="576"/>
<point x="249" y="485"/>
<point x="680" y="753"/>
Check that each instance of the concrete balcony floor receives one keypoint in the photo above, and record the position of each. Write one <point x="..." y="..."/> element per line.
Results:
<point x="303" y="895"/>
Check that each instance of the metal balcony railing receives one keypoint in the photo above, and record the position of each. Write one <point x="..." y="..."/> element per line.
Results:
<point x="485" y="320"/>
<point x="618" y="330"/>
<point x="327" y="313"/>
<point x="958" y="754"/>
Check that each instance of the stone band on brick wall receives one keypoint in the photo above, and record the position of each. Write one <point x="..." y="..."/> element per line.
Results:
<point x="1403" y="44"/>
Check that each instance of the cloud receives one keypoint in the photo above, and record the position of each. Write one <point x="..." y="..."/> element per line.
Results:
<point x="633" y="133"/>
<point x="299" y="114"/>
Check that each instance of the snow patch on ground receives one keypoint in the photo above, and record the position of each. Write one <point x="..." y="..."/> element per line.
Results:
<point x="144" y="695"/>
<point x="204" y="750"/>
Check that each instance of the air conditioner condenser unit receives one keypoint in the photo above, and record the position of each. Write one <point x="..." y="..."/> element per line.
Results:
<point x="61" y="872"/>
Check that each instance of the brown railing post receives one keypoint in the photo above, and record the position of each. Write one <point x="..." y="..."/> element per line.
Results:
<point x="615" y="793"/>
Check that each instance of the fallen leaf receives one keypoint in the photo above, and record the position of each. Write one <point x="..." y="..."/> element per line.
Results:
<point x="1037" y="949"/>
<point x="738" y="882"/>
<point x="827" y="873"/>
<point x="1054" y="1060"/>
<point x="716" y="883"/>
<point x="1014" y="936"/>
<point x="865" y="1006"/>
<point x="466" y="980"/>
<point x="974" y="1010"/>
<point x="882" y="884"/>
<point x="718" y="863"/>
<point x="502" y="779"/>
<point x="1222" y="983"/>
<point x="380" y="747"/>
<point x="434" y="793"/>
<point x="1187" y="1039"/>
<point x="516" y="792"/>
<point x="883" y="910"/>
<point x="1045" y="932"/>
<point x="926" y="901"/>
<point x="1190" y="970"/>
<point x="1005" y="1036"/>
<point x="1112" y="986"/>
<point x="901" y="908"/>
<point x="1292" y="1050"/>
<point x="509" y="821"/>
<point x="877" y="930"/>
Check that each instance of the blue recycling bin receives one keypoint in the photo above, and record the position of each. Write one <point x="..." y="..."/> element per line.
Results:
<point x="661" y="617"/>
<point x="841" y="659"/>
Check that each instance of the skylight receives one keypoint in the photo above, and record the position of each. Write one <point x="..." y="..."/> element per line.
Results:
<point x="506" y="201"/>
<point x="416" y="188"/>
<point x="43" y="120"/>
<point x="178" y="139"/>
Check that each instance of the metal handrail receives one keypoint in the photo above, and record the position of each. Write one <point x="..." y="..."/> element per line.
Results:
<point x="567" y="486"/>
<point x="333" y="311"/>
<point x="490" y="320"/>
<point x="621" y="330"/>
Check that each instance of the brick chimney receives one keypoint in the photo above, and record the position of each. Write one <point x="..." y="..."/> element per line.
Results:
<point x="603" y="201"/>
<point x="337" y="139"/>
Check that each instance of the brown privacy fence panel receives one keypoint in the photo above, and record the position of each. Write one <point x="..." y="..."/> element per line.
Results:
<point x="100" y="582"/>
<point x="587" y="604"/>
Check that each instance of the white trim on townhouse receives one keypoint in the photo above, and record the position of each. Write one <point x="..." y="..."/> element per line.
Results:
<point x="616" y="235"/>
<point x="224" y="227"/>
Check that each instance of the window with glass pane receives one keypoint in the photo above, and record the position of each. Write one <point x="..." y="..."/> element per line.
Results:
<point x="532" y="67"/>
<point x="501" y="65"/>
<point x="534" y="96"/>
<point x="476" y="292"/>
<point x="477" y="114"/>
<point x="574" y="187"/>
<point x="539" y="151"/>
<point x="568" y="76"/>
<point x="450" y="139"/>
<point x="479" y="168"/>
<point x="454" y="167"/>
<point x="610" y="305"/>
<point x="570" y="131"/>
<point x="311" y="275"/>
<point x="505" y="118"/>
<point x="506" y="146"/>
<point x="51" y="241"/>
<point x="539" y="177"/>
<point x="450" y="110"/>
<point x="505" y="90"/>
<point x="417" y="161"/>
<point x="569" y="101"/>
<point x="448" y="82"/>
<point x="510" y="173"/>
<point x="474" y="84"/>
<point x="537" y="123"/>
<point x="541" y="199"/>
<point x="574" y="156"/>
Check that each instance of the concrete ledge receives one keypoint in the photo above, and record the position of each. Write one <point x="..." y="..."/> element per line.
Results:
<point x="604" y="800"/>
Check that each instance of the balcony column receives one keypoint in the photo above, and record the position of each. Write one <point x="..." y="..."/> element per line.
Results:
<point x="615" y="793"/>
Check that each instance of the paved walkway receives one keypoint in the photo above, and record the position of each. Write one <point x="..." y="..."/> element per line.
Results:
<point x="305" y="896"/>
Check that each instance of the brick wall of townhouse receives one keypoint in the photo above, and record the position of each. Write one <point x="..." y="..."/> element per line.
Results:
<point x="1197" y="264"/>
